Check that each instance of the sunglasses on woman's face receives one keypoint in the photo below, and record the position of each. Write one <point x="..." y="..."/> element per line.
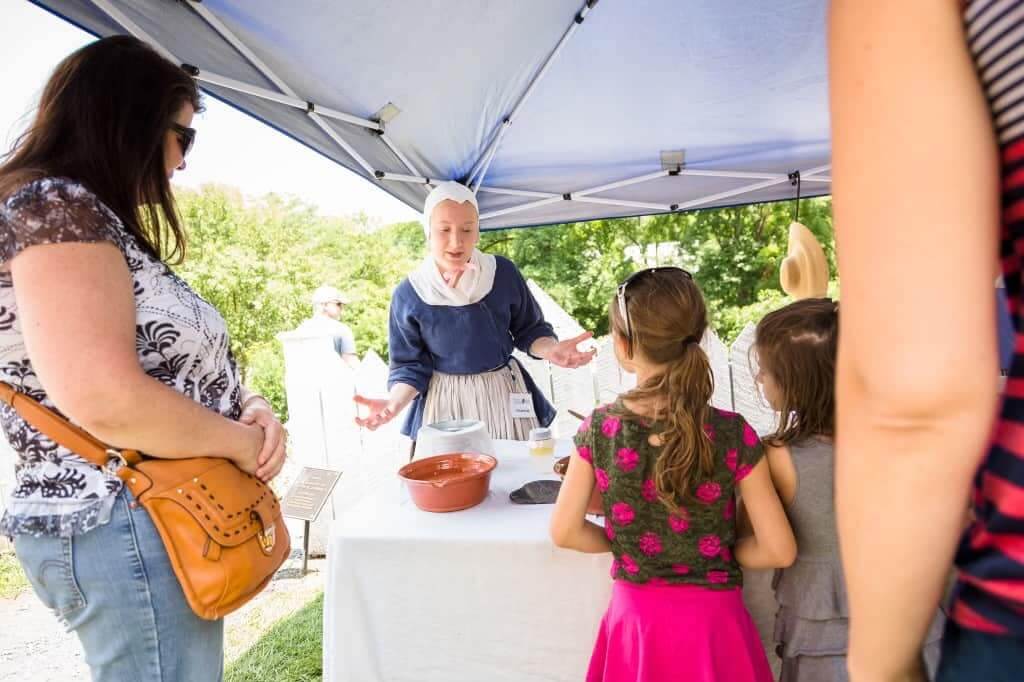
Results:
<point x="186" y="137"/>
<point x="620" y="295"/>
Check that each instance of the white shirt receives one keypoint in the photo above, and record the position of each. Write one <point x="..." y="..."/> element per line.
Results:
<point x="344" y="339"/>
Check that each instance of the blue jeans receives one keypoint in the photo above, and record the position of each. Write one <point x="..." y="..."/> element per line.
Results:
<point x="970" y="656"/>
<point x="114" y="587"/>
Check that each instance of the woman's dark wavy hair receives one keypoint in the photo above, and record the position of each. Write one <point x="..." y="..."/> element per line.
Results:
<point x="102" y="120"/>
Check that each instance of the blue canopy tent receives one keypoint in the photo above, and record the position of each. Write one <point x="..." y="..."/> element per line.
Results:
<point x="552" y="110"/>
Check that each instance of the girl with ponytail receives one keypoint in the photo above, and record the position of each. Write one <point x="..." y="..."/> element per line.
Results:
<point x="669" y="466"/>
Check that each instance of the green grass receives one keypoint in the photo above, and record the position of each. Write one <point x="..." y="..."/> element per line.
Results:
<point x="12" y="578"/>
<point x="292" y="651"/>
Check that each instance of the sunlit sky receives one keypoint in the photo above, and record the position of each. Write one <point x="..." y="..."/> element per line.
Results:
<point x="231" y="148"/>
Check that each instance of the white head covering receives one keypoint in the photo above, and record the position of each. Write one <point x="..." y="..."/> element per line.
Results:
<point x="452" y="190"/>
<point x="427" y="280"/>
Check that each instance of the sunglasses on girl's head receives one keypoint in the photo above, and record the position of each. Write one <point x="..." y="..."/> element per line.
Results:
<point x="186" y="137"/>
<point x="620" y="294"/>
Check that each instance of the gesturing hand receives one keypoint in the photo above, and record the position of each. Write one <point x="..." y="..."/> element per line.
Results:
<point x="566" y="354"/>
<point x="381" y="412"/>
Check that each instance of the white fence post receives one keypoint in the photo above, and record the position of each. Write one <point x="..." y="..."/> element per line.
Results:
<point x="718" y="357"/>
<point x="322" y="429"/>
<point x="747" y="396"/>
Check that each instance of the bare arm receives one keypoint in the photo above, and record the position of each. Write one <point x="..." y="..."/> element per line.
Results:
<point x="771" y="545"/>
<point x="569" y="525"/>
<point x="79" y="331"/>
<point x="783" y="475"/>
<point x="916" y="384"/>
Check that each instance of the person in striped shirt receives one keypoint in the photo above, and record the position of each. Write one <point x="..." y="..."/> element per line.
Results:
<point x="927" y="104"/>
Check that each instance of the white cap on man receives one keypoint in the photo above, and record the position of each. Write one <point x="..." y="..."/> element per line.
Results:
<point x="328" y="294"/>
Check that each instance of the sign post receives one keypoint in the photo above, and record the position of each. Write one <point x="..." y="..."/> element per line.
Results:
<point x="306" y="498"/>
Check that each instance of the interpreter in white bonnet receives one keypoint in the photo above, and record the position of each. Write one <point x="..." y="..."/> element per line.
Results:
<point x="454" y="324"/>
<point x="454" y="271"/>
<point x="447" y="191"/>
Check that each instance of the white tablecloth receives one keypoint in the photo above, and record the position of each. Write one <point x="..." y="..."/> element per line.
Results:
<point x="479" y="595"/>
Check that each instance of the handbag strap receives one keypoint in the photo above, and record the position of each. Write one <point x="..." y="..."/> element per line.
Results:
<point x="61" y="431"/>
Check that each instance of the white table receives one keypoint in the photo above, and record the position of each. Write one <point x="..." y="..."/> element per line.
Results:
<point x="479" y="595"/>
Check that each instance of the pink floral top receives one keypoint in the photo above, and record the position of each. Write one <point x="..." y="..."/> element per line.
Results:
<point x="693" y="544"/>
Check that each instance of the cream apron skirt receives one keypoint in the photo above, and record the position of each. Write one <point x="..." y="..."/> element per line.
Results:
<point x="485" y="396"/>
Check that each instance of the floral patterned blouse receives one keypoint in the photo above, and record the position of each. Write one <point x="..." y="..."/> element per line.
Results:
<point x="180" y="339"/>
<point x="692" y="545"/>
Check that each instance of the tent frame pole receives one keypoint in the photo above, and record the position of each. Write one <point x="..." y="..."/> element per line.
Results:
<point x="744" y="175"/>
<point x="286" y="96"/>
<point x="624" y="183"/>
<point x="666" y="208"/>
<point x="401" y="157"/>
<point x="584" y="195"/>
<point x="483" y="164"/>
<point x="311" y="110"/>
<point x="750" y="188"/>
<point x="519" y="192"/>
<point x="122" y="19"/>
<point x="292" y="101"/>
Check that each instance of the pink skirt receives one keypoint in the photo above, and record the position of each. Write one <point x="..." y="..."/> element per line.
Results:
<point x="663" y="633"/>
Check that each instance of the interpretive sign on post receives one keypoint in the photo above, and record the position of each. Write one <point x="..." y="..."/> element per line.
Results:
<point x="306" y="498"/>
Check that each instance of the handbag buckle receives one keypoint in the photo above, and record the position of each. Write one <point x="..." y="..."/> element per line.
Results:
<point x="266" y="536"/>
<point x="116" y="460"/>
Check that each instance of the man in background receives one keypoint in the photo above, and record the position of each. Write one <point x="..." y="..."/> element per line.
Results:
<point x="328" y="306"/>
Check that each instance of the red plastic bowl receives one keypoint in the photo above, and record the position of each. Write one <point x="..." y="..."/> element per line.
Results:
<point x="447" y="483"/>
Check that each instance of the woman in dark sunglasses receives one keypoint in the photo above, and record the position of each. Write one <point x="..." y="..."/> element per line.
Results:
<point x="186" y="138"/>
<point x="93" y="324"/>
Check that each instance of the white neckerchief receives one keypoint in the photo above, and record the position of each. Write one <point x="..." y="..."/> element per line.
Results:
<point x="474" y="284"/>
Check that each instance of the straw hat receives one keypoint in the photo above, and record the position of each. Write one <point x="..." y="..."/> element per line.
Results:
<point x="804" y="270"/>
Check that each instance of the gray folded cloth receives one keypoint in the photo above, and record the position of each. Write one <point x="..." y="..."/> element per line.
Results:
<point x="536" y="492"/>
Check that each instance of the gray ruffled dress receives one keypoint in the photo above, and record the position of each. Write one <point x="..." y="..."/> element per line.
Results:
<point x="812" y="622"/>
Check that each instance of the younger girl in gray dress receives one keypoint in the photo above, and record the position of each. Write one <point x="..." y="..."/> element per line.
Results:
<point x="796" y="352"/>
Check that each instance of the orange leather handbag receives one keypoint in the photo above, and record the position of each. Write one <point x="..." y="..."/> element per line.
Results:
<point x="222" y="528"/>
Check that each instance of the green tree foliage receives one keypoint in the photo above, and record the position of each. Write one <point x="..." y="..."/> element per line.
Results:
<point x="734" y="253"/>
<point x="259" y="261"/>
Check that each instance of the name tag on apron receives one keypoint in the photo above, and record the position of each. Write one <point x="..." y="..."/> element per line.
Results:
<point x="521" y="405"/>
